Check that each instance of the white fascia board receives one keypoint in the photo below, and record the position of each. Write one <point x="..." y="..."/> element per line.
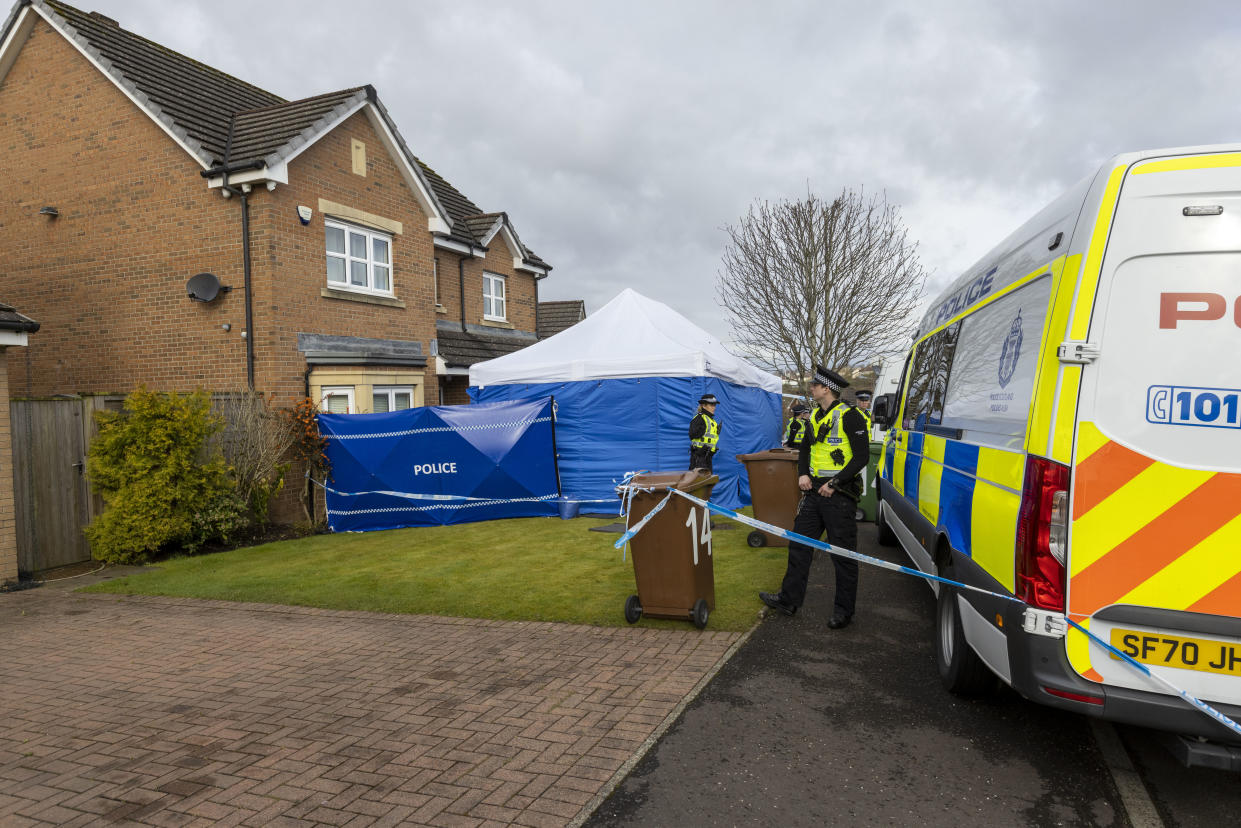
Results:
<point x="16" y="40"/>
<point x="514" y="246"/>
<point x="522" y="264"/>
<point x="437" y="222"/>
<point x="12" y="338"/>
<point x="278" y="174"/>
<point x="145" y="104"/>
<point x="442" y="369"/>
<point x="454" y="246"/>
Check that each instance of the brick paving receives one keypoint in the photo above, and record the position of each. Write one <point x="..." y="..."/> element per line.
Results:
<point x="171" y="712"/>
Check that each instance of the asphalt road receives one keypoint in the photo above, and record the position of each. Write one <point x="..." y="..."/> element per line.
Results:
<point x="809" y="726"/>
<point x="1182" y="797"/>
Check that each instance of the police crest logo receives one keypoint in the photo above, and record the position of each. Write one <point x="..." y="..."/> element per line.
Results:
<point x="1011" y="352"/>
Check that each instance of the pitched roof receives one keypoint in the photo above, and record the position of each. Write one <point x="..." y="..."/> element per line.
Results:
<point x="461" y="349"/>
<point x="223" y="120"/>
<point x="271" y="132"/>
<point x="11" y="320"/>
<point x="555" y="317"/>
<point x="191" y="98"/>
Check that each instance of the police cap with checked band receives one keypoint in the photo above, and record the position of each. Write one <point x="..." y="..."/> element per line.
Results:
<point x="831" y="379"/>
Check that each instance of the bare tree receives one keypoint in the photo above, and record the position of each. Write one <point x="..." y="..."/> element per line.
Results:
<point x="255" y="441"/>
<point x="813" y="281"/>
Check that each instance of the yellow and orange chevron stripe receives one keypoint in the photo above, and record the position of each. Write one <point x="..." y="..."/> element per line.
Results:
<point x="1150" y="534"/>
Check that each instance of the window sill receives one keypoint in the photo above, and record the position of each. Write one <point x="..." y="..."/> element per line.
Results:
<point x="493" y="323"/>
<point x="367" y="298"/>
<point x="441" y="309"/>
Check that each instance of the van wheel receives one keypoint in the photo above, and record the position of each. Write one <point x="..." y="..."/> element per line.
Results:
<point x="886" y="536"/>
<point x="960" y="669"/>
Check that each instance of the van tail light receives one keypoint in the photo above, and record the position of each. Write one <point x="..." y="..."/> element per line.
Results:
<point x="1042" y="534"/>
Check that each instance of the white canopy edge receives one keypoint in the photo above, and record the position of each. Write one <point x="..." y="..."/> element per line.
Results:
<point x="631" y="336"/>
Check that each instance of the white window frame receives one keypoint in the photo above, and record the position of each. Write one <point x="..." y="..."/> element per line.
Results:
<point x="435" y="279"/>
<point x="345" y="391"/>
<point x="371" y="265"/>
<point x="490" y="280"/>
<point x="392" y="391"/>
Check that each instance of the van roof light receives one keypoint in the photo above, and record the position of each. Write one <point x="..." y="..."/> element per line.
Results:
<point x="1203" y="210"/>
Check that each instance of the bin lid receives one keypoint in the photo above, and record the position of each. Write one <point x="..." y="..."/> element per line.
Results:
<point x="771" y="454"/>
<point x="686" y="481"/>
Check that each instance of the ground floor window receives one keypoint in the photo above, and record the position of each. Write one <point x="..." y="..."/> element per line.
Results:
<point x="391" y="398"/>
<point x="338" y="400"/>
<point x="367" y="389"/>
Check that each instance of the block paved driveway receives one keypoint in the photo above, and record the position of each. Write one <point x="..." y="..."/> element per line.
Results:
<point x="166" y="711"/>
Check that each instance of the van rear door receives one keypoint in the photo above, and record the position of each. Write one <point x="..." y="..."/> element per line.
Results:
<point x="1155" y="512"/>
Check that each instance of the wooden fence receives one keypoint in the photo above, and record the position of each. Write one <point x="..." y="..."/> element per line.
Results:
<point x="52" y="497"/>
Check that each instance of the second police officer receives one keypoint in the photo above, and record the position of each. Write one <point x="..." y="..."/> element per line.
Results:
<point x="704" y="434"/>
<point x="834" y="454"/>
<point x="798" y="414"/>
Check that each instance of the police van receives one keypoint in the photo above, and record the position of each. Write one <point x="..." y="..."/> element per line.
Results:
<point x="1067" y="431"/>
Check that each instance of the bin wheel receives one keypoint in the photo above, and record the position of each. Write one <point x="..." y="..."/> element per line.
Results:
<point x="633" y="609"/>
<point x="859" y="515"/>
<point x="756" y="539"/>
<point x="700" y="613"/>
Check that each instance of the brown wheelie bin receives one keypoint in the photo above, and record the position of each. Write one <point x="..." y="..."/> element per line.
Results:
<point x="672" y="554"/>
<point x="773" y="492"/>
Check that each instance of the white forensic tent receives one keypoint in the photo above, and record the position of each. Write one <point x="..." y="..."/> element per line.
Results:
<point x="626" y="381"/>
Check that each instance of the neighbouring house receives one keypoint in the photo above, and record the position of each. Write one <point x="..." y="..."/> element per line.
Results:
<point x="13" y="330"/>
<point x="174" y="226"/>
<point x="555" y="317"/>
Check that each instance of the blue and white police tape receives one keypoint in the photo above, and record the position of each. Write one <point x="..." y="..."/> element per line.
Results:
<point x="444" y="501"/>
<point x="637" y="527"/>
<point x="867" y="559"/>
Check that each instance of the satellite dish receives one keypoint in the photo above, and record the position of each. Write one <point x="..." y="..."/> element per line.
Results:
<point x="205" y="287"/>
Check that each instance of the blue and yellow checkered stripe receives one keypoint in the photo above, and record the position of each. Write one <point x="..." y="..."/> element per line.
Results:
<point x="969" y="493"/>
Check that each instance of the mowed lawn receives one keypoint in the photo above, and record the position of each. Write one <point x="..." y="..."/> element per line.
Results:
<point x="531" y="569"/>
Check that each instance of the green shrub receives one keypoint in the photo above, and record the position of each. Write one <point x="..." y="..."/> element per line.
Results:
<point x="163" y="487"/>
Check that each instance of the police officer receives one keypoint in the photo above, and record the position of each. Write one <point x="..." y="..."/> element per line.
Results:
<point x="834" y="452"/>
<point x="798" y="412"/>
<point x="704" y="434"/>
<point x="863" y="407"/>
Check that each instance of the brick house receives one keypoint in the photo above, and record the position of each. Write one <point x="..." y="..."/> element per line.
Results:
<point x="13" y="330"/>
<point x="349" y="270"/>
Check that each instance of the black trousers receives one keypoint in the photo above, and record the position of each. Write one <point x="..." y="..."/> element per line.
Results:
<point x="836" y="516"/>
<point x="701" y="458"/>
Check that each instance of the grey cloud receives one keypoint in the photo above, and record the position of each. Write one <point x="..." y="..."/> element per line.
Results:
<point x="622" y="137"/>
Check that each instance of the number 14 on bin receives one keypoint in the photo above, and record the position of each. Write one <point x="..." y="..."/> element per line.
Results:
<point x="695" y="539"/>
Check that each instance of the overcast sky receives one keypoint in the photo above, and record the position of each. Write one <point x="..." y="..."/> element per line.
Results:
<point x="622" y="137"/>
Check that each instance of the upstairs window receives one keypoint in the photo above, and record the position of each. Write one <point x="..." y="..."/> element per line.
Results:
<point x="358" y="259"/>
<point x="495" y="307"/>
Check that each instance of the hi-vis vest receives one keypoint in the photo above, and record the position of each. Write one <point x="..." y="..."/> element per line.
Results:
<point x="795" y="432"/>
<point x="870" y="421"/>
<point x="827" y="434"/>
<point x="711" y="437"/>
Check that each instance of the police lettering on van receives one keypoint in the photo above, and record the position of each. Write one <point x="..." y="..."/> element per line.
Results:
<point x="1067" y="431"/>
